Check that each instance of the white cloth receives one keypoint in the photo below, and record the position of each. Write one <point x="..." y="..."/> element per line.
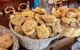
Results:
<point x="50" y="1"/>
<point x="76" y="46"/>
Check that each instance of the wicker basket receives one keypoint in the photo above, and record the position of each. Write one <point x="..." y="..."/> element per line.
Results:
<point x="15" y="45"/>
<point x="33" y="44"/>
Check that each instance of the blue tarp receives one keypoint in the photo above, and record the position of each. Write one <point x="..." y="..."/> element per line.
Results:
<point x="36" y="3"/>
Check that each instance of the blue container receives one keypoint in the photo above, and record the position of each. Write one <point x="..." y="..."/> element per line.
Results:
<point x="36" y="3"/>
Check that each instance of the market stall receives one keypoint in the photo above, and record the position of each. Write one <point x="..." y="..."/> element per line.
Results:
<point x="38" y="20"/>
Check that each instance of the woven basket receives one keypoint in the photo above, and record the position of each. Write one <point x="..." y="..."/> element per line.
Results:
<point x="33" y="44"/>
<point x="15" y="45"/>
